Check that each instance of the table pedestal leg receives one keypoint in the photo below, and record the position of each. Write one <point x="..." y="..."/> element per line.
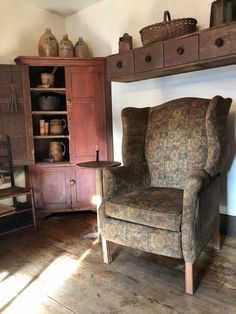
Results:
<point x="99" y="194"/>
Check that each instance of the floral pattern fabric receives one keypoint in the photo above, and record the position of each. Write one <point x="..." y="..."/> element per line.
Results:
<point x="172" y="157"/>
<point x="155" y="207"/>
<point x="145" y="238"/>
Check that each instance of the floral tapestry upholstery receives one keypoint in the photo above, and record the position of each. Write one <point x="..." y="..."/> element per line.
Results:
<point x="164" y="199"/>
<point x="155" y="207"/>
<point x="177" y="142"/>
<point x="134" y="123"/>
<point x="141" y="237"/>
<point x="121" y="180"/>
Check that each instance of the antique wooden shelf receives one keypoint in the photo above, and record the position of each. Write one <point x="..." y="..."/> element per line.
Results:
<point x="38" y="137"/>
<point x="49" y="112"/>
<point x="209" y="48"/>
<point x="57" y="61"/>
<point x="49" y="89"/>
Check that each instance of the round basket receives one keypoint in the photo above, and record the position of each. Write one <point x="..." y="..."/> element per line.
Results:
<point x="167" y="29"/>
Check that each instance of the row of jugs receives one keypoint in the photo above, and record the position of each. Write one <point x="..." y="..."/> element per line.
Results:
<point x="48" y="46"/>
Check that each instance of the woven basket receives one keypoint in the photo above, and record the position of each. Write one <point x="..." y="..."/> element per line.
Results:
<point x="167" y="29"/>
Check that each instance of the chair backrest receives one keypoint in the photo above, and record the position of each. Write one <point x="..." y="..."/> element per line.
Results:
<point x="6" y="165"/>
<point x="177" y="138"/>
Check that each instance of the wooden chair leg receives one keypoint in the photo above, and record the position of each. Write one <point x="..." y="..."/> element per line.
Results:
<point x="106" y="250"/>
<point x="189" y="278"/>
<point x="216" y="235"/>
<point x="33" y="208"/>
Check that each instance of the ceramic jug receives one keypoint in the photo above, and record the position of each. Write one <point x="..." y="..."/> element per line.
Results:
<point x="57" y="151"/>
<point x="66" y="49"/>
<point x="57" y="126"/>
<point x="48" y="45"/>
<point x="81" y="49"/>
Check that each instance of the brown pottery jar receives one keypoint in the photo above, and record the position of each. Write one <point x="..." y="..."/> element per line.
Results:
<point x="81" y="49"/>
<point x="66" y="49"/>
<point x="57" y="151"/>
<point x="48" y="45"/>
<point x="57" y="126"/>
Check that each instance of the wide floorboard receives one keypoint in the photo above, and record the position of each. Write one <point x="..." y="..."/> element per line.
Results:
<point x="56" y="270"/>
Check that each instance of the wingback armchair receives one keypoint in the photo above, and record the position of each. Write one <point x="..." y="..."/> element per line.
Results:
<point x="164" y="199"/>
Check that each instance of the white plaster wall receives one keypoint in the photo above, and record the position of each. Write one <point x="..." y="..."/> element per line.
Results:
<point x="21" y="26"/>
<point x="102" y="24"/>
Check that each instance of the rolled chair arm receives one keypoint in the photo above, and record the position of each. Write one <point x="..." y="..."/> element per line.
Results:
<point x="121" y="180"/>
<point x="193" y="186"/>
<point x="124" y="179"/>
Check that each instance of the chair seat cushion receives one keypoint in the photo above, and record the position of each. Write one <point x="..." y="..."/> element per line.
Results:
<point x="153" y="207"/>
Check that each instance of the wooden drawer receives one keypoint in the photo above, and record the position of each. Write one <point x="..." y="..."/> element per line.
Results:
<point x="148" y="58"/>
<point x="120" y="64"/>
<point x="217" y="42"/>
<point x="181" y="51"/>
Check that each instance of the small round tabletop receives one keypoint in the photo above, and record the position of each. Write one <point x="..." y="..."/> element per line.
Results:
<point x="98" y="164"/>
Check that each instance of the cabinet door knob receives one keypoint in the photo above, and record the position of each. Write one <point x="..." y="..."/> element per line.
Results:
<point x="148" y="58"/>
<point x="180" y="51"/>
<point x="119" y="64"/>
<point x="72" y="182"/>
<point x="219" y="42"/>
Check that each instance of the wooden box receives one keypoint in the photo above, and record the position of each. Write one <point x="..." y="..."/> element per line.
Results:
<point x="222" y="11"/>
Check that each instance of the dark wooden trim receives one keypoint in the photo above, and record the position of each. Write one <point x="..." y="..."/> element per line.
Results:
<point x="178" y="69"/>
<point x="27" y="115"/>
<point x="58" y="61"/>
<point x="228" y="224"/>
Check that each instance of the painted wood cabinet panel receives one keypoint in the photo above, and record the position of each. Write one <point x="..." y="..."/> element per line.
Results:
<point x="51" y="186"/>
<point x="15" y="116"/>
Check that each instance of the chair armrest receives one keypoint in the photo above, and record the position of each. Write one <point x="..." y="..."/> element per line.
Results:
<point x="124" y="179"/>
<point x="194" y="184"/>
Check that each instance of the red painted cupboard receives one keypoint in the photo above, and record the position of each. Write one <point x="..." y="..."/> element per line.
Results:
<point x="81" y="98"/>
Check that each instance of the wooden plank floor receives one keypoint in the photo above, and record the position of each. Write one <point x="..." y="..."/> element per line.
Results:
<point x="54" y="270"/>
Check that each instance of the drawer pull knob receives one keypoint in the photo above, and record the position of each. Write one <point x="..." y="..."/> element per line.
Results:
<point x="119" y="65"/>
<point x="180" y="51"/>
<point x="72" y="182"/>
<point x="219" y="42"/>
<point x="148" y="58"/>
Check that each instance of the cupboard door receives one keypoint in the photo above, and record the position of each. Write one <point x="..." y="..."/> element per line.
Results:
<point x="83" y="188"/>
<point x="87" y="113"/>
<point x="15" y="119"/>
<point x="84" y="130"/>
<point x="89" y="126"/>
<point x="51" y="186"/>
